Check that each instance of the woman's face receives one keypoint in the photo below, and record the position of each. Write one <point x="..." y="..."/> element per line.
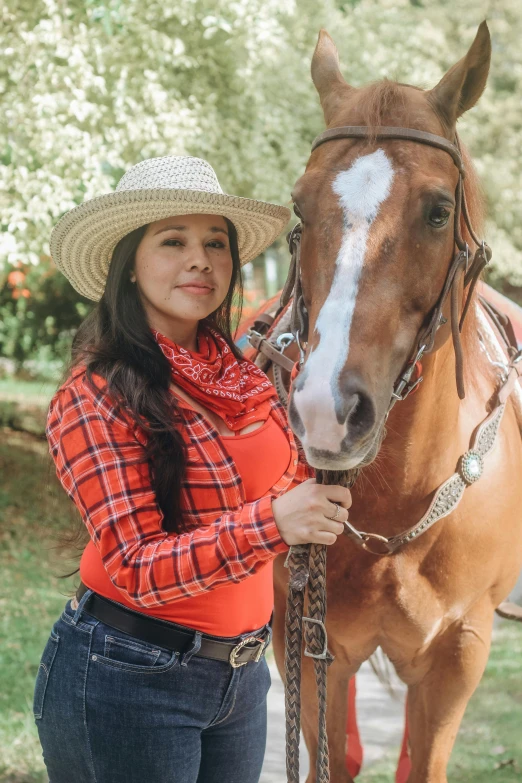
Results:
<point x="183" y="268"/>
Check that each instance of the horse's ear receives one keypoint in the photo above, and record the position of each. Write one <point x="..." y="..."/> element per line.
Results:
<point x="463" y="84"/>
<point x="327" y="76"/>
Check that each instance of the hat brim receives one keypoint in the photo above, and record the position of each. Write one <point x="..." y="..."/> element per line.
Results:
<point x="83" y="240"/>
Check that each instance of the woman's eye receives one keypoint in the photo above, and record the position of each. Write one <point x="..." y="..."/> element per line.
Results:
<point x="215" y="243"/>
<point x="438" y="216"/>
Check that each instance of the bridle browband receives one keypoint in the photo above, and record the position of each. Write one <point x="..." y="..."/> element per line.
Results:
<point x="459" y="267"/>
<point x="384" y="132"/>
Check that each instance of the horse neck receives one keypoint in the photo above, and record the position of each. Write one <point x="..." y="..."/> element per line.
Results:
<point x="430" y="430"/>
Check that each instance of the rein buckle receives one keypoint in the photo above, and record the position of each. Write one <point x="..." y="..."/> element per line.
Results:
<point x="323" y="655"/>
<point x="364" y="540"/>
<point x="367" y="538"/>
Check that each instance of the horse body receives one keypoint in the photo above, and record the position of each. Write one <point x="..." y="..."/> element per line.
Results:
<point x="430" y="605"/>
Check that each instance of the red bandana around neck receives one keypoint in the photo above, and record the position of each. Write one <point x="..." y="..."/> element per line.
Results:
<point x="239" y="392"/>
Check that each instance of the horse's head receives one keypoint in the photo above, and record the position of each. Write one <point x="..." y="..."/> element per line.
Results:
<point x="377" y="241"/>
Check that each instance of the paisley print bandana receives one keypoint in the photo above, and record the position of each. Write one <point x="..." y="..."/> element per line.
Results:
<point x="239" y="392"/>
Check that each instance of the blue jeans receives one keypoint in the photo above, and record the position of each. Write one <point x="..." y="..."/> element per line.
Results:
<point x="111" y="708"/>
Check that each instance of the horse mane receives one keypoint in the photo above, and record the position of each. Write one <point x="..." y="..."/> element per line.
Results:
<point x="377" y="101"/>
<point x="476" y="205"/>
<point x="475" y="199"/>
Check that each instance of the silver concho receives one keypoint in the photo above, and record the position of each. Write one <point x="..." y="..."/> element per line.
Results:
<point x="471" y="466"/>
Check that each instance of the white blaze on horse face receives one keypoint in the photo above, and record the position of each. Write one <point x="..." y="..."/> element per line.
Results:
<point x="361" y="190"/>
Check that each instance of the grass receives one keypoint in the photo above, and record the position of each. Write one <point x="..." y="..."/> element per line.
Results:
<point x="34" y="392"/>
<point x="24" y="404"/>
<point x="34" y="508"/>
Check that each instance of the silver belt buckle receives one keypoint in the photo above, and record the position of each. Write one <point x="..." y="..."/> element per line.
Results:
<point x="237" y="649"/>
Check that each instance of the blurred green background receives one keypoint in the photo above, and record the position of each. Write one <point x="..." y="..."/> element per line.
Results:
<point x="89" y="88"/>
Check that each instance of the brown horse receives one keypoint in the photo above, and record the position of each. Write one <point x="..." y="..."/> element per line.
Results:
<point x="377" y="242"/>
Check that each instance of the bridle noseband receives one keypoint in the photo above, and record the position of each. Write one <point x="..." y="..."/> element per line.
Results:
<point x="459" y="267"/>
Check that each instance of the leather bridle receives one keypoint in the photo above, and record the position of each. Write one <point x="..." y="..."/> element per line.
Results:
<point x="459" y="267"/>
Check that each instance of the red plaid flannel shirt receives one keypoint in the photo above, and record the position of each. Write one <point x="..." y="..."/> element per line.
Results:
<point x="99" y="458"/>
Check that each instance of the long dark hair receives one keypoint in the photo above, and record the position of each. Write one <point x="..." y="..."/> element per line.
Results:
<point x="116" y="343"/>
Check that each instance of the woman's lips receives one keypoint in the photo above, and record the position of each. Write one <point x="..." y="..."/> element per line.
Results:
<point x="196" y="289"/>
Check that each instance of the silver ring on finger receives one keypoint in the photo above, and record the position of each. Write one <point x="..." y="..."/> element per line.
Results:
<point x="337" y="509"/>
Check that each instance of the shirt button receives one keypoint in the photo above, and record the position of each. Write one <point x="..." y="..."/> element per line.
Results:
<point x="295" y="462"/>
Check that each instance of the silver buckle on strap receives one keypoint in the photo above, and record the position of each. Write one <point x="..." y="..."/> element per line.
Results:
<point x="284" y="340"/>
<point x="301" y="349"/>
<point x="237" y="649"/>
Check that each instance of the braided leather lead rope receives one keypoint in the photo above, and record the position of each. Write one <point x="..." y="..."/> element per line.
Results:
<point x="307" y="568"/>
<point x="297" y="562"/>
<point x="316" y="647"/>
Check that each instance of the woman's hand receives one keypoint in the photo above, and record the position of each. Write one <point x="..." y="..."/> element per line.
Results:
<point x="301" y="514"/>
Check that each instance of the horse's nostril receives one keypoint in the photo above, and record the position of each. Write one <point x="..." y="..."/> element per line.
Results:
<point x="347" y="408"/>
<point x="355" y="407"/>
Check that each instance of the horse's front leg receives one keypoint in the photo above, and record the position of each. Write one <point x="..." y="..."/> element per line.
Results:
<point x="455" y="663"/>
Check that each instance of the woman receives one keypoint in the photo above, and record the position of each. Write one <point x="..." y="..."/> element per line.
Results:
<point x="179" y="457"/>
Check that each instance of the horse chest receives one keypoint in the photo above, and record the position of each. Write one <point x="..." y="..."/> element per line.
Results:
<point x="390" y="602"/>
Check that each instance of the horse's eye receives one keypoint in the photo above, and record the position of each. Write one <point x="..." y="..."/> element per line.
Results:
<point x="438" y="216"/>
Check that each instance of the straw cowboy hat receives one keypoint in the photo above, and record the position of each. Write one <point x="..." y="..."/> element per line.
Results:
<point x="84" y="238"/>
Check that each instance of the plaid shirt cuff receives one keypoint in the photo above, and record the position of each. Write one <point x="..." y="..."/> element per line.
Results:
<point x="260" y="527"/>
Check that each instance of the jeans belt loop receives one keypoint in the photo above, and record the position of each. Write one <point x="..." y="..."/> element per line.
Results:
<point x="81" y="603"/>
<point x="192" y="650"/>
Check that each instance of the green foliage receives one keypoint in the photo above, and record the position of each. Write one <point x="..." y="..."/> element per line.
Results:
<point x="90" y="87"/>
<point x="39" y="313"/>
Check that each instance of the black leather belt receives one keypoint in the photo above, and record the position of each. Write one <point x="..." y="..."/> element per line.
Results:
<point x="170" y="635"/>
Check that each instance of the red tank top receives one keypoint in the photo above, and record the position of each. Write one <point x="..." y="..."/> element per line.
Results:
<point x="261" y="457"/>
